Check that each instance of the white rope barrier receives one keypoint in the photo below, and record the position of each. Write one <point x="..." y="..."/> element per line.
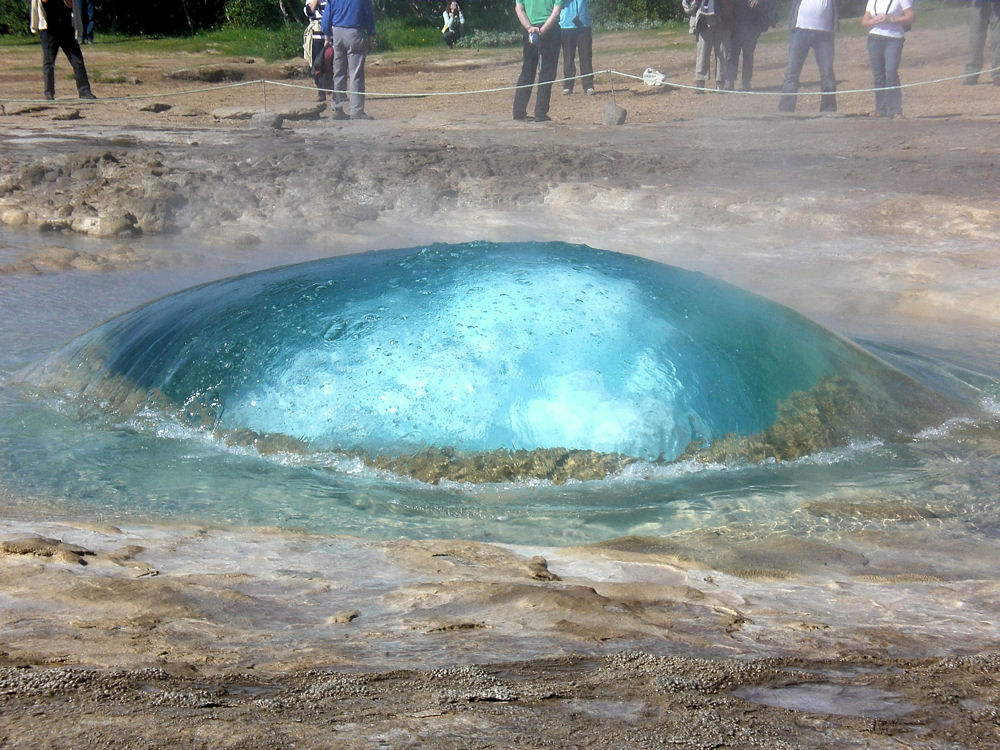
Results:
<point x="650" y="77"/>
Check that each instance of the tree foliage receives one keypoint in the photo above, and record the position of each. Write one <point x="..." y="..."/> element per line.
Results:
<point x="178" y="17"/>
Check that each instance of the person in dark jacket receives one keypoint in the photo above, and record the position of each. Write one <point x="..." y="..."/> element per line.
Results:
<point x="53" y="21"/>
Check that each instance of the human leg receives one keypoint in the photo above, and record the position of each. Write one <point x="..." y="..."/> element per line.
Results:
<point x="585" y="49"/>
<point x="979" y="24"/>
<point x="749" y="48"/>
<point x="339" y="70"/>
<point x="529" y="66"/>
<point x="702" y="56"/>
<point x="357" y="52"/>
<point x="548" y="49"/>
<point x="722" y="46"/>
<point x="569" y="39"/>
<point x="822" y="44"/>
<point x="994" y="24"/>
<point x="798" y="48"/>
<point x="893" y="94"/>
<point x="877" y="61"/>
<point x="50" y="46"/>
<point x="71" y="48"/>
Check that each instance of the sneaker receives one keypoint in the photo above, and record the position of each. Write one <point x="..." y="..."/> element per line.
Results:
<point x="567" y="91"/>
<point x="590" y="92"/>
<point x="87" y="95"/>
<point x="362" y="116"/>
<point x="338" y="114"/>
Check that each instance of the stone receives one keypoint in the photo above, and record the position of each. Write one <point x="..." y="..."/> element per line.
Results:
<point x="612" y="114"/>
<point x="267" y="120"/>
<point x="115" y="223"/>
<point x="14" y="217"/>
<point x="234" y="113"/>
<point x="156" y="107"/>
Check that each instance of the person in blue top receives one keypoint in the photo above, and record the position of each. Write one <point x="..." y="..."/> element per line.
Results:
<point x="574" y="25"/>
<point x="349" y="27"/>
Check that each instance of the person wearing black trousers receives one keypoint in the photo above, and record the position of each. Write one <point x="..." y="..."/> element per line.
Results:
<point x="53" y="21"/>
<point x="540" y="20"/>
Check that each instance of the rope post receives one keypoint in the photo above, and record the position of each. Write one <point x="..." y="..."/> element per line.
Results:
<point x="611" y="78"/>
<point x="263" y="91"/>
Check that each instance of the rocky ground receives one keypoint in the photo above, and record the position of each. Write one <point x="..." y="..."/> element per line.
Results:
<point x="107" y="654"/>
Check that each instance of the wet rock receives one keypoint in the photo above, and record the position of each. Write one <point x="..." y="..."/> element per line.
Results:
<point x="14" y="217"/>
<point x="43" y="547"/>
<point x="538" y="567"/>
<point x="72" y="114"/>
<point x="117" y="223"/>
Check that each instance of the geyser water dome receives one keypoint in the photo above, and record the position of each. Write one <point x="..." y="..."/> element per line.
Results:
<point x="486" y="362"/>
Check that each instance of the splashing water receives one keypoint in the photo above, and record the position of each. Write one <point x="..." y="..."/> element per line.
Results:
<point x="308" y="391"/>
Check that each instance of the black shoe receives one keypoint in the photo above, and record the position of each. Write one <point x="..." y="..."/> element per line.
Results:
<point x="321" y="96"/>
<point x="970" y="80"/>
<point x="87" y="95"/>
<point x="521" y="117"/>
<point x="338" y="114"/>
<point x="362" y="116"/>
<point x="50" y="96"/>
<point x="543" y="118"/>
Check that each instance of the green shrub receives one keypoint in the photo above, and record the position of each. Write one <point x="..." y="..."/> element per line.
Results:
<point x="284" y="42"/>
<point x="253" y="14"/>
<point x="15" y="17"/>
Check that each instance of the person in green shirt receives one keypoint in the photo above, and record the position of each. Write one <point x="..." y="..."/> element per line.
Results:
<point x="541" y="43"/>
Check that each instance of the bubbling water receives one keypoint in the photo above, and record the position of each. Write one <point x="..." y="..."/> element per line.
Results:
<point x="490" y="362"/>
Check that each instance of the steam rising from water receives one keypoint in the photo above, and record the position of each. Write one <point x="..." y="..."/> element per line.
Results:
<point x="449" y="360"/>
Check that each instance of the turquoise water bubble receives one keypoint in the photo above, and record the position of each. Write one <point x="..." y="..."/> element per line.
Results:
<point x="462" y="351"/>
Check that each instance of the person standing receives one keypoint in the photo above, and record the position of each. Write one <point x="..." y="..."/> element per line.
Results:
<point x="887" y="20"/>
<point x="712" y="25"/>
<point x="985" y="19"/>
<point x="321" y="67"/>
<point x="454" y="23"/>
<point x="813" y="24"/>
<point x="349" y="27"/>
<point x="53" y="21"/>
<point x="540" y="52"/>
<point x="751" y="18"/>
<point x="577" y="38"/>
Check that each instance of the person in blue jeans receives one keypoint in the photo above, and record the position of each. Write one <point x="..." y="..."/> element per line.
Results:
<point x="985" y="19"/>
<point x="813" y="24"/>
<point x="577" y="39"/>
<point x="887" y="20"/>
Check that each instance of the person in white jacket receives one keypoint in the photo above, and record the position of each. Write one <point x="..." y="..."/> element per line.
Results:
<point x="53" y="21"/>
